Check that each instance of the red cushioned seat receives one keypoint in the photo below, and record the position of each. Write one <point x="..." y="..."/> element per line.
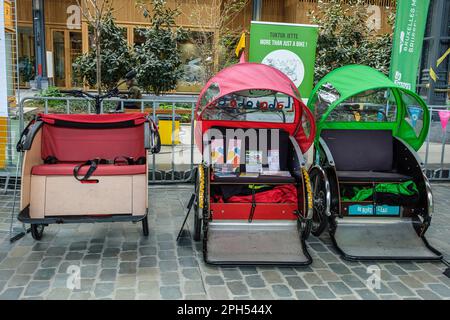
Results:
<point x="66" y="169"/>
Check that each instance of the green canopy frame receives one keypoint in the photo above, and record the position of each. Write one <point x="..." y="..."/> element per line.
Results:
<point x="349" y="81"/>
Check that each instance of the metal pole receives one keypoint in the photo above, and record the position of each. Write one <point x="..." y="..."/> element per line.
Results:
<point x="192" y="135"/>
<point x="257" y="6"/>
<point x="155" y="105"/>
<point x="427" y="150"/>
<point x="444" y="139"/>
<point x="173" y="141"/>
<point x="39" y="40"/>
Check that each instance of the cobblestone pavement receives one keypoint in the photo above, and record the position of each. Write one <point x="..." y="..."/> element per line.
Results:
<point x="117" y="262"/>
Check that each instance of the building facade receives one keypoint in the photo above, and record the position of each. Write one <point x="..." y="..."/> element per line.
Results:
<point x="67" y="35"/>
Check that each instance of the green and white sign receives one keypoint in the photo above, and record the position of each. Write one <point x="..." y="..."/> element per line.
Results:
<point x="410" y="21"/>
<point x="291" y="48"/>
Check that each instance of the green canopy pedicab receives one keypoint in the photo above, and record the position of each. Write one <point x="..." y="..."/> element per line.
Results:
<point x="368" y="182"/>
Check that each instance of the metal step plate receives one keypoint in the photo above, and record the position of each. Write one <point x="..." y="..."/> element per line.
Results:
<point x="381" y="239"/>
<point x="259" y="242"/>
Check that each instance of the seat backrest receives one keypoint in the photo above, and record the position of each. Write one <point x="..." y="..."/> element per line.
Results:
<point x="76" y="144"/>
<point x="282" y="144"/>
<point x="361" y="150"/>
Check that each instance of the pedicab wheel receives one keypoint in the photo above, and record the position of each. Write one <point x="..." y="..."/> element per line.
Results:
<point x="145" y="226"/>
<point x="37" y="230"/>
<point x="320" y="203"/>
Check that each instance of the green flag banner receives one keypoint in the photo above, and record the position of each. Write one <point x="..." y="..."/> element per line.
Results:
<point x="410" y="22"/>
<point x="291" y="48"/>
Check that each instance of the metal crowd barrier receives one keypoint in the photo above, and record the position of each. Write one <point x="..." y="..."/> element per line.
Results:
<point x="178" y="171"/>
<point x="436" y="151"/>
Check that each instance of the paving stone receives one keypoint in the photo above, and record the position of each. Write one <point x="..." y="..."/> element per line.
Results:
<point x="109" y="262"/>
<point x="411" y="282"/>
<point x="214" y="280"/>
<point x="27" y="268"/>
<point x="6" y="274"/>
<point x="170" y="278"/>
<point x="71" y="255"/>
<point x="312" y="279"/>
<point x="281" y="290"/>
<point x="59" y="294"/>
<point x="44" y="274"/>
<point x="367" y="294"/>
<point x="35" y="256"/>
<point x="191" y="273"/>
<point x="108" y="274"/>
<point x="272" y="276"/>
<point x="296" y="283"/>
<point x="111" y="252"/>
<point x="187" y="262"/>
<point x="323" y="292"/>
<point x="128" y="256"/>
<point x="231" y="274"/>
<point x="36" y="288"/>
<point x="248" y="270"/>
<point x="287" y="271"/>
<point x="124" y="294"/>
<point x="441" y="290"/>
<point x="129" y="246"/>
<point x="11" y="294"/>
<point x="261" y="294"/>
<point x="89" y="271"/>
<point x="169" y="265"/>
<point x="55" y="251"/>
<point x="170" y="292"/>
<point x="147" y="251"/>
<point x="10" y="263"/>
<point x="104" y="289"/>
<point x="193" y="287"/>
<point x="395" y="270"/>
<point x="305" y="295"/>
<point x="400" y="289"/>
<point x="339" y="288"/>
<point x="339" y="268"/>
<point x="428" y="295"/>
<point x="148" y="286"/>
<point x="352" y="281"/>
<point x="237" y="288"/>
<point x="19" y="280"/>
<point x="92" y="258"/>
<point x="218" y="293"/>
<point x="127" y="267"/>
<point x="255" y="281"/>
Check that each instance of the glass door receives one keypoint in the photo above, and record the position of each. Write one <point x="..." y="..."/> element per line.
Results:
<point x="59" y="58"/>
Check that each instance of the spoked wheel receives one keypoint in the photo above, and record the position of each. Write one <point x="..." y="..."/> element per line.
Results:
<point x="37" y="230"/>
<point x="320" y="201"/>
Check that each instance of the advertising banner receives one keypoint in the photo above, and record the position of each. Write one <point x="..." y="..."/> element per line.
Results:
<point x="410" y="21"/>
<point x="291" y="48"/>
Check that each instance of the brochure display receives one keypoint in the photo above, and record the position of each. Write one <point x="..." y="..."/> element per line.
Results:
<point x="370" y="191"/>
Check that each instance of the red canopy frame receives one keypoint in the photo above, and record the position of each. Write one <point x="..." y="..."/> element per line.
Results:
<point x="253" y="76"/>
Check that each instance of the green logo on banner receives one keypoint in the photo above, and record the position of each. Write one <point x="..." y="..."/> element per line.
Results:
<point x="291" y="48"/>
<point x="409" y="32"/>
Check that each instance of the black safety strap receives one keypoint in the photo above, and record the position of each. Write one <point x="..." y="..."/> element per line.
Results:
<point x="252" y="210"/>
<point x="92" y="167"/>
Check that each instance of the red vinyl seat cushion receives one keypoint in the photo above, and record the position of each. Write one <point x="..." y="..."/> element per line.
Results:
<point x="66" y="169"/>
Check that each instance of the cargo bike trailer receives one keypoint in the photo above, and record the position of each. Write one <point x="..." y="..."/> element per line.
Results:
<point x="370" y="191"/>
<point x="247" y="217"/>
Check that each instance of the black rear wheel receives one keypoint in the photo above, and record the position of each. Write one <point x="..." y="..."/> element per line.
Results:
<point x="37" y="230"/>
<point x="320" y="202"/>
<point x="145" y="226"/>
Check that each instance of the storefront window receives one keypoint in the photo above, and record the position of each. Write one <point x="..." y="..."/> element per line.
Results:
<point x="76" y="49"/>
<point x="193" y="64"/>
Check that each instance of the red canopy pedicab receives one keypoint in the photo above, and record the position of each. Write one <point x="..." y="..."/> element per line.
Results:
<point x="253" y="197"/>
